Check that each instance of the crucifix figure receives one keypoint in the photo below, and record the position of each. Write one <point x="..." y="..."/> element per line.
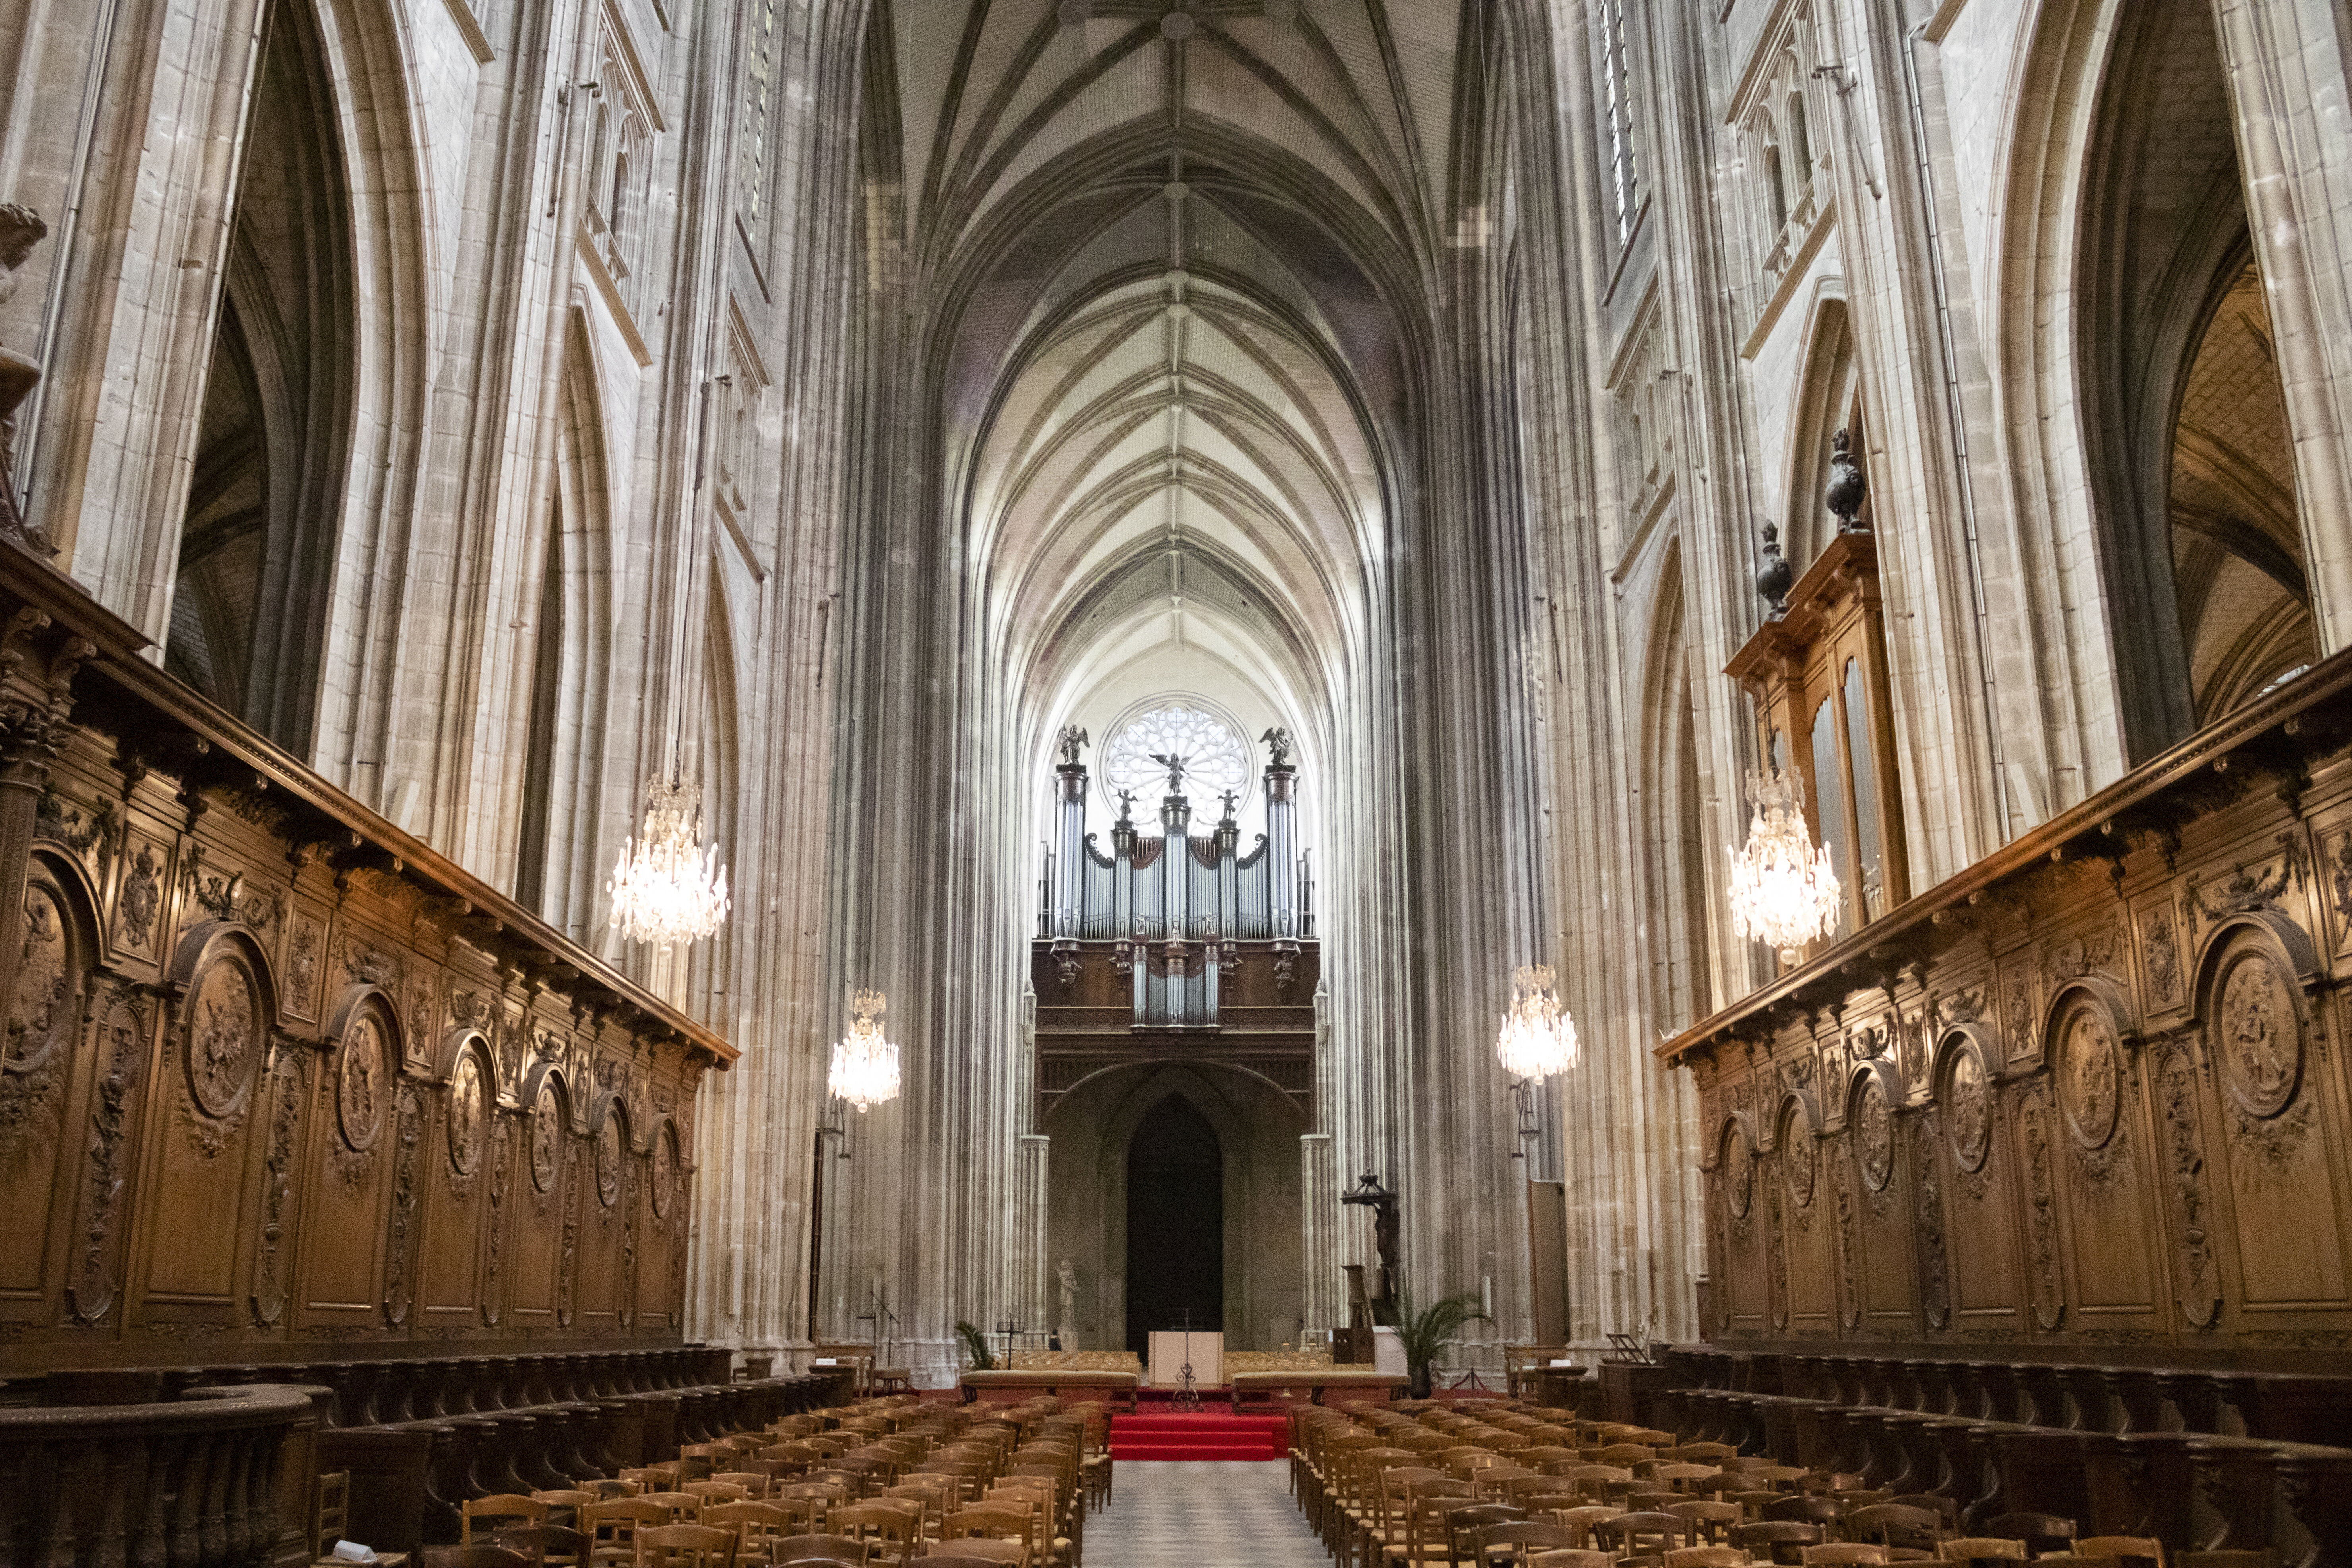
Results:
<point x="1383" y="1205"/>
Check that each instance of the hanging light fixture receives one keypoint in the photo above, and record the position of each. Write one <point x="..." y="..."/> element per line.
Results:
<point x="865" y="1065"/>
<point x="668" y="886"/>
<point x="1538" y="1038"/>
<point x="1784" y="893"/>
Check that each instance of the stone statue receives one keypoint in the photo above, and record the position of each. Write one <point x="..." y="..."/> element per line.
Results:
<point x="1066" y="1321"/>
<point x="1276" y="742"/>
<point x="1383" y="1205"/>
<point x="1072" y="739"/>
<point x="1848" y="487"/>
<point x="21" y="229"/>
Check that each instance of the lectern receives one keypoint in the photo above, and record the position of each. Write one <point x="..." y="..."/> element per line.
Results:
<point x="1170" y="1349"/>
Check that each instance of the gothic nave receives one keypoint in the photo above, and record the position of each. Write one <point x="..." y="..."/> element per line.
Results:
<point x="886" y="754"/>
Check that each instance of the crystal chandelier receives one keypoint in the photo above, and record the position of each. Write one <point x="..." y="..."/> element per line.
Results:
<point x="1784" y="893"/>
<point x="668" y="886"/>
<point x="1538" y="1038"/>
<point x="865" y="1065"/>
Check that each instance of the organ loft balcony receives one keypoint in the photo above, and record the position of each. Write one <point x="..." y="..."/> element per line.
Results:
<point x="1178" y="946"/>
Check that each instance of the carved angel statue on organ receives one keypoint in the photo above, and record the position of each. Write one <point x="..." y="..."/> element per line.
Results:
<point x="1175" y="766"/>
<point x="1072" y="739"/>
<point x="1276" y="742"/>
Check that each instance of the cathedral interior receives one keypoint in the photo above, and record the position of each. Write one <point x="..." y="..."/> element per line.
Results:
<point x="794" y="746"/>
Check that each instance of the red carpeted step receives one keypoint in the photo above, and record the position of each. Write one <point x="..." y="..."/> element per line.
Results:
<point x="1202" y="1436"/>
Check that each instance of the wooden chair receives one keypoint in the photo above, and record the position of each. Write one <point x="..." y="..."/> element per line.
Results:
<point x="890" y="1530"/>
<point x="755" y="1483"/>
<point x="1843" y="1553"/>
<point x="484" y="1555"/>
<point x="1825" y="1511"/>
<point x="819" y="1549"/>
<point x="2041" y="1532"/>
<point x="563" y="1507"/>
<point x="605" y="1489"/>
<point x="958" y="1553"/>
<point x="1583" y="1521"/>
<point x="1711" y="1522"/>
<point x="1683" y="1477"/>
<point x="611" y="1527"/>
<point x="2134" y="1551"/>
<point x="712" y="1492"/>
<point x="509" y="1506"/>
<point x="1515" y="1542"/>
<point x="683" y="1507"/>
<point x="1775" y="1541"/>
<point x="2261" y="1558"/>
<point x="757" y="1526"/>
<point x="1707" y="1557"/>
<point x="988" y="1522"/>
<point x="1464" y="1526"/>
<point x="545" y="1545"/>
<point x="1571" y="1559"/>
<point x="1710" y="1453"/>
<point x="1627" y="1532"/>
<point x="331" y="1511"/>
<point x="1892" y="1525"/>
<point x="2076" y="1560"/>
<point x="1980" y="1549"/>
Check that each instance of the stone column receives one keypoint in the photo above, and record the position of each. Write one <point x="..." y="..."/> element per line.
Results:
<point x="1033" y="1298"/>
<point x="1318" y="1232"/>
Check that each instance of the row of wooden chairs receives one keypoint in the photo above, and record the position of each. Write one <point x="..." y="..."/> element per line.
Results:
<point x="1413" y="1486"/>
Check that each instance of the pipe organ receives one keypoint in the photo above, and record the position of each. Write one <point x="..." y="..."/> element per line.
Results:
<point x="1176" y="942"/>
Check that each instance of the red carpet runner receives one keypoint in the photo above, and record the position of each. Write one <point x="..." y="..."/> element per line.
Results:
<point x="1199" y="1437"/>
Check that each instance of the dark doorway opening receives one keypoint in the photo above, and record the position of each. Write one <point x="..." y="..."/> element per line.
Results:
<point x="1175" y="1222"/>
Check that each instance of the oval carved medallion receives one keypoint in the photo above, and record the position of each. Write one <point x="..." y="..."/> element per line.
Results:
<point x="608" y="1161"/>
<point x="545" y="1113"/>
<point x="39" y="1016"/>
<point x="1798" y="1161"/>
<point x="224" y="1036"/>
<point x="665" y="1170"/>
<point x="1971" y="1099"/>
<point x="465" y="1115"/>
<point x="2089" y="1077"/>
<point x="359" y="1084"/>
<point x="1874" y="1137"/>
<point x="2260" y="1041"/>
<point x="1739" y="1170"/>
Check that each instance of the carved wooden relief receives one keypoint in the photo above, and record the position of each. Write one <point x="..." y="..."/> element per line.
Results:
<point x="1874" y="1136"/>
<point x="1969" y="1100"/>
<point x="2089" y="1076"/>
<point x="123" y="1040"/>
<point x="199" y="1164"/>
<point x="609" y="1157"/>
<point x="546" y="1138"/>
<point x="2258" y="1038"/>
<point x="1934" y="1280"/>
<point x="222" y="1034"/>
<point x="2199" y="1272"/>
<point x="2048" y="1292"/>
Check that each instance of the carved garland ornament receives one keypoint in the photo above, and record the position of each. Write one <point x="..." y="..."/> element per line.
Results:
<point x="92" y="1293"/>
<point x="1935" y="1278"/>
<point x="277" y="1186"/>
<point x="2041" y="1215"/>
<point x="2163" y="957"/>
<point x="2200" y="1293"/>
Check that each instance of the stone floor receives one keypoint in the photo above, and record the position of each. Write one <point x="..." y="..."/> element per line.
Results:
<point x="1221" y="1514"/>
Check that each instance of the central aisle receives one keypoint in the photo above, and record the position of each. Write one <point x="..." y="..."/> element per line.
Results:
<point x="1207" y="1514"/>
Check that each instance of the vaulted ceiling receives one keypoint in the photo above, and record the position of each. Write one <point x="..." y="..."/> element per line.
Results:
<point x="1174" y="261"/>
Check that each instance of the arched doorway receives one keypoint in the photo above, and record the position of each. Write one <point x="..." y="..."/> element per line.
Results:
<point x="1175" y="1222"/>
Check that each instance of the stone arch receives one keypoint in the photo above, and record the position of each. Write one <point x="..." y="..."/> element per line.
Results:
<point x="561" y="678"/>
<point x="1829" y="399"/>
<point x="1674" y="842"/>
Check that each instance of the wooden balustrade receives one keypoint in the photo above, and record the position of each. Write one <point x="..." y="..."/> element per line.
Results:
<point x="212" y="1478"/>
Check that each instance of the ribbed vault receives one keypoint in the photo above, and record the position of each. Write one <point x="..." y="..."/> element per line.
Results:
<point x="1174" y="281"/>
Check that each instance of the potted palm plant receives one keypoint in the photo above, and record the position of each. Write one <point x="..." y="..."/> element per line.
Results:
<point x="1423" y="1333"/>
